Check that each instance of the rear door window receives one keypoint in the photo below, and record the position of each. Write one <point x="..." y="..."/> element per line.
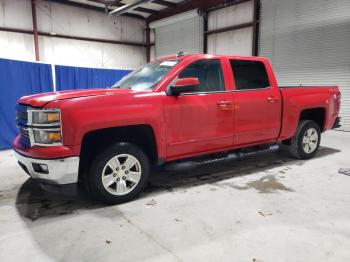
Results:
<point x="249" y="75"/>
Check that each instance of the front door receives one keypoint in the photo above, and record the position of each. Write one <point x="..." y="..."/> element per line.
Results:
<point x="200" y="122"/>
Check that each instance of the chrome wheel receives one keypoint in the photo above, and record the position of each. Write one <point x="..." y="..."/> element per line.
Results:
<point x="310" y="140"/>
<point x="121" y="174"/>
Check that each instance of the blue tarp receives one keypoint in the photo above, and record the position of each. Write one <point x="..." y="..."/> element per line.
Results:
<point x="18" y="79"/>
<point x="69" y="77"/>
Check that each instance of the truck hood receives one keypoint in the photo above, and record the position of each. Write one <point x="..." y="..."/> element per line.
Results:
<point x="40" y="100"/>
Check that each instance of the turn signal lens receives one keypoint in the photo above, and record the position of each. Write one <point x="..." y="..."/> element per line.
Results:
<point x="46" y="117"/>
<point x="54" y="136"/>
<point x="53" y="117"/>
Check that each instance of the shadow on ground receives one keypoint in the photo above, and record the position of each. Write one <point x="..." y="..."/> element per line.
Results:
<point x="33" y="203"/>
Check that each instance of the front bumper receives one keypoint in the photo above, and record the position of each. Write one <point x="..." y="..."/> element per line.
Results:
<point x="51" y="171"/>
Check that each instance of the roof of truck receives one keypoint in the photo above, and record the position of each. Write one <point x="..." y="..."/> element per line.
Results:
<point x="185" y="56"/>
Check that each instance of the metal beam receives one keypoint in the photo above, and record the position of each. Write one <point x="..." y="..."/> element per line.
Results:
<point x="148" y="44"/>
<point x="146" y="10"/>
<point x="91" y="39"/>
<point x="107" y="2"/>
<point x="227" y="4"/>
<point x="118" y="3"/>
<point x="35" y="31"/>
<point x="123" y="9"/>
<point x="99" y="40"/>
<point x="171" y="10"/>
<point x="256" y="20"/>
<point x="229" y="28"/>
<point x="205" y="36"/>
<point x="93" y="7"/>
<point x="186" y="5"/>
<point x="164" y="3"/>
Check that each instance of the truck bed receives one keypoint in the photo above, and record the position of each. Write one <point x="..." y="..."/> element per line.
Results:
<point x="305" y="86"/>
<point x="296" y="99"/>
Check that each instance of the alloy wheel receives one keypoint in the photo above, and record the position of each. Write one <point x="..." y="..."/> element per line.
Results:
<point x="121" y="174"/>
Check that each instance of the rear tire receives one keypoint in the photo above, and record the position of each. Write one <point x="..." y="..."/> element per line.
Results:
<point x="306" y="141"/>
<point x="118" y="174"/>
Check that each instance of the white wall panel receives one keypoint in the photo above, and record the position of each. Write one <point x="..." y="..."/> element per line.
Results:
<point x="308" y="42"/>
<point x="152" y="37"/>
<point x="153" y="53"/>
<point x="16" y="14"/>
<point x="232" y="15"/>
<point x="236" y="42"/>
<point x="62" y="19"/>
<point x="177" y="33"/>
<point x="91" y="54"/>
<point x="16" y="46"/>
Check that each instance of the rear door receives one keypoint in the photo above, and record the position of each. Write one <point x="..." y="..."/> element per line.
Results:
<point x="258" y="107"/>
<point x="200" y="122"/>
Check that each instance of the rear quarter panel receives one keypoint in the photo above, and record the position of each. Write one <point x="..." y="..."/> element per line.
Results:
<point x="297" y="99"/>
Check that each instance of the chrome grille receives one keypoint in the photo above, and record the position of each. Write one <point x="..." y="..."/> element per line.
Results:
<point x="22" y="122"/>
<point x="24" y="138"/>
<point x="22" y="115"/>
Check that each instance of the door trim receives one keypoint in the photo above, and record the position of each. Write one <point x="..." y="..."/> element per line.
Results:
<point x="198" y="140"/>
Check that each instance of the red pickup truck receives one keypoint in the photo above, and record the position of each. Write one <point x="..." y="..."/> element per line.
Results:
<point x="177" y="112"/>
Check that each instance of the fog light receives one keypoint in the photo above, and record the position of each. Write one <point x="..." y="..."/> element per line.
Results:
<point x="40" y="168"/>
<point x="47" y="136"/>
<point x="44" y="168"/>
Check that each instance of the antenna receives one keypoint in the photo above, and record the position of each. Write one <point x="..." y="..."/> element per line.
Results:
<point x="181" y="53"/>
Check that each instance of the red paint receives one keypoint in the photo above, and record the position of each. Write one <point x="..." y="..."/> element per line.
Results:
<point x="189" y="124"/>
<point x="187" y="81"/>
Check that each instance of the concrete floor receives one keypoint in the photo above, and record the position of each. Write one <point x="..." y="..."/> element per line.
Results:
<point x="211" y="214"/>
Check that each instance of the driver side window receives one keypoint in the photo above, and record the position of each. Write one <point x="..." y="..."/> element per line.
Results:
<point x="209" y="74"/>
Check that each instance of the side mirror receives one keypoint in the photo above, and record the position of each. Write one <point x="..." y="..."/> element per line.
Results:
<point x="184" y="85"/>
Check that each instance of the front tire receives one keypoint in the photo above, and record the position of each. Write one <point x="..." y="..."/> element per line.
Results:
<point x="118" y="174"/>
<point x="306" y="140"/>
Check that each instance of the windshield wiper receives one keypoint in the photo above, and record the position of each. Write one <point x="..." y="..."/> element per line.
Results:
<point x="122" y="87"/>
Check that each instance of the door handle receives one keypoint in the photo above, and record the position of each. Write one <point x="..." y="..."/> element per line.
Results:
<point x="272" y="99"/>
<point x="225" y="105"/>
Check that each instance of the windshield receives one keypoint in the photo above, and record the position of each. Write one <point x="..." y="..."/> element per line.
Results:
<point x="147" y="77"/>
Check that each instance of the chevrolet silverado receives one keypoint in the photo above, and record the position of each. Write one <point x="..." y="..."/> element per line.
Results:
<point x="177" y="112"/>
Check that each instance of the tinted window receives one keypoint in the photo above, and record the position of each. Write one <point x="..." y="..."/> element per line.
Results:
<point x="249" y="74"/>
<point x="209" y="74"/>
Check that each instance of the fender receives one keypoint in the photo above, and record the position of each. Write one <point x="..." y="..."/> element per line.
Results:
<point x="83" y="115"/>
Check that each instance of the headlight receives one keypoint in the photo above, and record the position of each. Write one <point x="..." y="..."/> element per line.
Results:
<point x="47" y="137"/>
<point x="46" y="117"/>
<point x="40" y="127"/>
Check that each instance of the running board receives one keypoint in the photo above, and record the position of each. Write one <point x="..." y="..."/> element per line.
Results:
<point x="194" y="163"/>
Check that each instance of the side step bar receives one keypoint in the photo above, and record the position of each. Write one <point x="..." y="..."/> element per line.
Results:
<point x="196" y="162"/>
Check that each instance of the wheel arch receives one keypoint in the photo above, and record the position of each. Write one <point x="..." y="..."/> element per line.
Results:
<point x="315" y="114"/>
<point x="96" y="141"/>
